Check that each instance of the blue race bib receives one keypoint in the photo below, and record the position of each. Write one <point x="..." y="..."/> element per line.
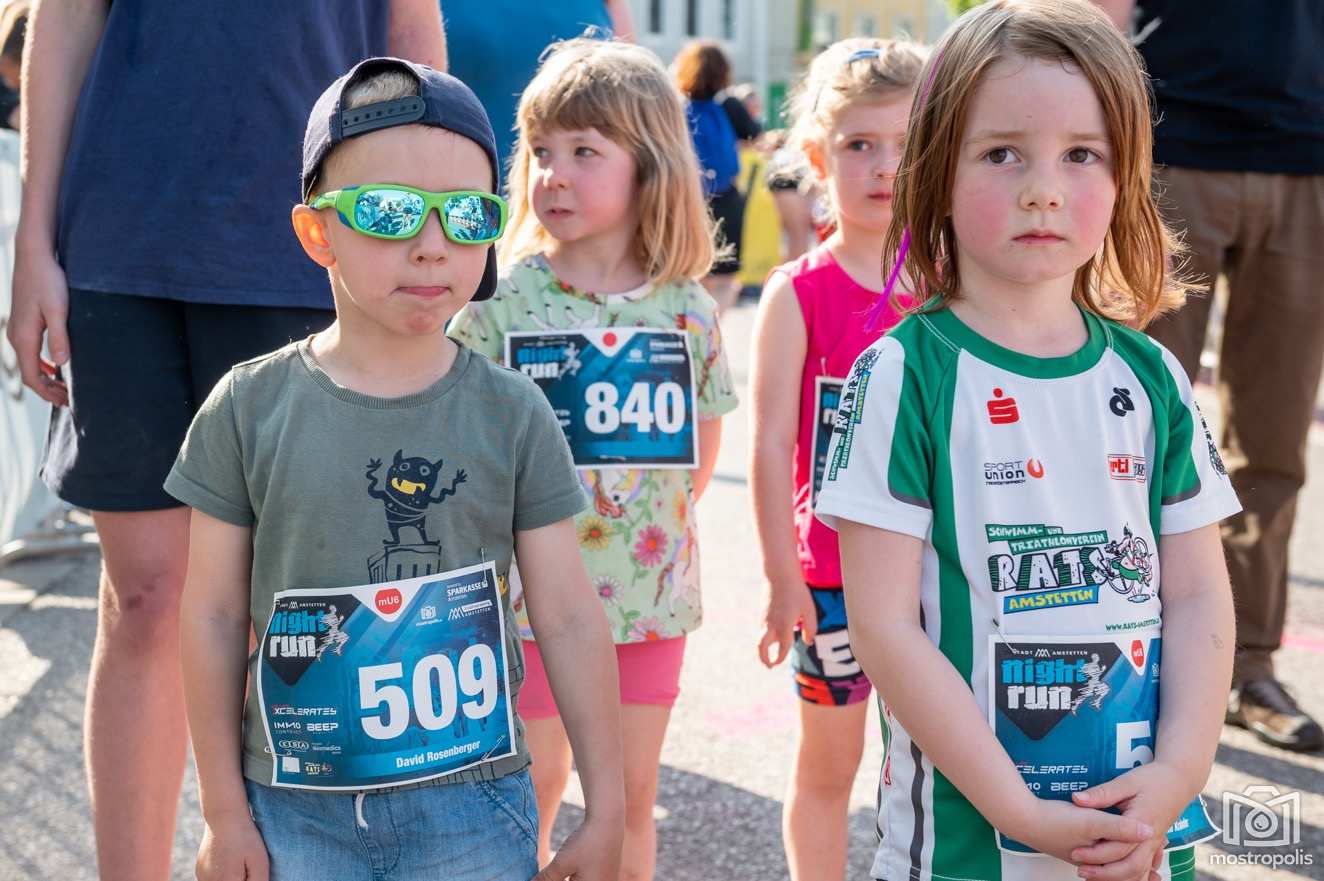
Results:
<point x="384" y="684"/>
<point x="827" y="397"/>
<point x="1077" y="711"/>
<point x="624" y="395"/>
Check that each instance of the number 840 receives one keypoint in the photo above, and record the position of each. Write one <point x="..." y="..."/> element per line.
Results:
<point x="665" y="407"/>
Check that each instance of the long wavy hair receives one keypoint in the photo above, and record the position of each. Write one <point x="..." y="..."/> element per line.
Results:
<point x="1133" y="277"/>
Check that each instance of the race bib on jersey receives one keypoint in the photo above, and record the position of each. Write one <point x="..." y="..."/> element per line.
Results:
<point x="1074" y="712"/>
<point x="384" y="684"/>
<point x="827" y="397"/>
<point x="624" y="396"/>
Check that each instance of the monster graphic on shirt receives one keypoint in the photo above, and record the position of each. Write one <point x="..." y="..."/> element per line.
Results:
<point x="408" y="493"/>
<point x="413" y="485"/>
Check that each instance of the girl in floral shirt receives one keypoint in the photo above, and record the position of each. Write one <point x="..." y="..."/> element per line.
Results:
<point x="598" y="303"/>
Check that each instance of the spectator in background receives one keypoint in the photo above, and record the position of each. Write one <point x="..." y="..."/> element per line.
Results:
<point x="495" y="46"/>
<point x="718" y="122"/>
<point x="13" y="29"/>
<point x="153" y="252"/>
<point x="1240" y="95"/>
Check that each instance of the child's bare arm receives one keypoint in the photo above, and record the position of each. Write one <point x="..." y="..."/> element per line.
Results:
<point x="576" y="646"/>
<point x="777" y="365"/>
<point x="710" y="441"/>
<point x="214" y="646"/>
<point x="1198" y="640"/>
<point x="935" y="705"/>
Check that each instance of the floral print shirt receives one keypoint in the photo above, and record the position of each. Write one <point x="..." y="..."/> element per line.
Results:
<point x="638" y="538"/>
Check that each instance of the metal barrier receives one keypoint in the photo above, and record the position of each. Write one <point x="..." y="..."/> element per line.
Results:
<point x="32" y="521"/>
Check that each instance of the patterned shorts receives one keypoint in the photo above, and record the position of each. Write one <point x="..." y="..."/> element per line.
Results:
<point x="826" y="672"/>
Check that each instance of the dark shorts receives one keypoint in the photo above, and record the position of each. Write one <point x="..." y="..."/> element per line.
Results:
<point x="826" y="672"/>
<point x="139" y="369"/>
<point x="729" y="212"/>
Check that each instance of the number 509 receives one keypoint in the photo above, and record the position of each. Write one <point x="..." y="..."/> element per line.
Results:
<point x="434" y="708"/>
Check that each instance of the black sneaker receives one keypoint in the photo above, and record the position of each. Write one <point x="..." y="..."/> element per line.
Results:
<point x="1264" y="707"/>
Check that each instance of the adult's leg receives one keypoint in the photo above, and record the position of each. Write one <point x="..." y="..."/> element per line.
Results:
<point x="135" y="732"/>
<point x="643" y="729"/>
<point x="1203" y="207"/>
<point x="827" y="757"/>
<point x="109" y="451"/>
<point x="1271" y="360"/>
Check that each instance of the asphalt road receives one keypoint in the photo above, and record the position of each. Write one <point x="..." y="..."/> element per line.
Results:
<point x="728" y="753"/>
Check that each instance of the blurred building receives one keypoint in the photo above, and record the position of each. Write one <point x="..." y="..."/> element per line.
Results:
<point x="769" y="42"/>
<point x="832" y="20"/>
<point x="761" y="37"/>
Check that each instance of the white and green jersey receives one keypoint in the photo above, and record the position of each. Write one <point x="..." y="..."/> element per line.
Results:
<point x="1040" y="487"/>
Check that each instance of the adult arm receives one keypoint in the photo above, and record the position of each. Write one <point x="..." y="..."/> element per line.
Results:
<point x="779" y="348"/>
<point x="622" y="22"/>
<point x="416" y="32"/>
<point x="214" y="623"/>
<point x="575" y="641"/>
<point x="747" y="127"/>
<point x="881" y="571"/>
<point x="62" y="37"/>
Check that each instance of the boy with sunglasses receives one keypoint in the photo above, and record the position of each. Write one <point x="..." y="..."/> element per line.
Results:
<point x="358" y="497"/>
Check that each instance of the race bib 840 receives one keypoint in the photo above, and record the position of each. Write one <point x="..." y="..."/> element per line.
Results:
<point x="624" y="395"/>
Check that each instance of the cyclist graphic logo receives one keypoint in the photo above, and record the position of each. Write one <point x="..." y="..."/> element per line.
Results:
<point x="1127" y="566"/>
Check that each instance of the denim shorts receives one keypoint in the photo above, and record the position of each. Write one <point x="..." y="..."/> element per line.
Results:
<point x="455" y="831"/>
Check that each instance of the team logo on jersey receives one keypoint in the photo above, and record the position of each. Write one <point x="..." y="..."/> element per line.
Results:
<point x="1046" y="568"/>
<point x="850" y="409"/>
<point x="1002" y="411"/>
<point x="1012" y="471"/>
<point x="1215" y="460"/>
<point x="1120" y="403"/>
<point x="1124" y="466"/>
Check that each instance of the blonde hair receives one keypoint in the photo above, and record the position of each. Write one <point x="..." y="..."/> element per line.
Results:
<point x="1132" y="278"/>
<point x="834" y="81"/>
<point x="623" y="92"/>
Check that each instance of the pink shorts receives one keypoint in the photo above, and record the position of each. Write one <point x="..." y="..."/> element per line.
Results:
<point x="649" y="673"/>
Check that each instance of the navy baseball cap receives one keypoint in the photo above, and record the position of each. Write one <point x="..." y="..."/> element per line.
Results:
<point x="442" y="102"/>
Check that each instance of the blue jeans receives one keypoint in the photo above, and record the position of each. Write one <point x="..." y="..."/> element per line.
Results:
<point x="457" y="832"/>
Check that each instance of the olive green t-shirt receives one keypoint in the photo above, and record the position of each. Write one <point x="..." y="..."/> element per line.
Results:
<point x="317" y="471"/>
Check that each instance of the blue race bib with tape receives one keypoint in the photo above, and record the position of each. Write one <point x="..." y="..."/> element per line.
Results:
<point x="624" y="395"/>
<point x="386" y="684"/>
<point x="1075" y="712"/>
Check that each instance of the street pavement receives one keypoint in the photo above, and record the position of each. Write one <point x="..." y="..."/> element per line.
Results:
<point x="728" y="753"/>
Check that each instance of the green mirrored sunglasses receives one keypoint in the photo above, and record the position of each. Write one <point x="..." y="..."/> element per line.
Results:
<point x="393" y="211"/>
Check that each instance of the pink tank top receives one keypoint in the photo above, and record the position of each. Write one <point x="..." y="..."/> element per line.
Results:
<point x="834" y="306"/>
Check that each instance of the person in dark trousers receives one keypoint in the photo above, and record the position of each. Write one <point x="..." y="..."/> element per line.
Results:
<point x="154" y="252"/>
<point x="1240" y="142"/>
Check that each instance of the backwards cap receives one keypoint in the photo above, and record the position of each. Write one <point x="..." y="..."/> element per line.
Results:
<point x="442" y="102"/>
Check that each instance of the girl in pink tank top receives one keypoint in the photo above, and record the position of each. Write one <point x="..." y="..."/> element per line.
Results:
<point x="850" y="122"/>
